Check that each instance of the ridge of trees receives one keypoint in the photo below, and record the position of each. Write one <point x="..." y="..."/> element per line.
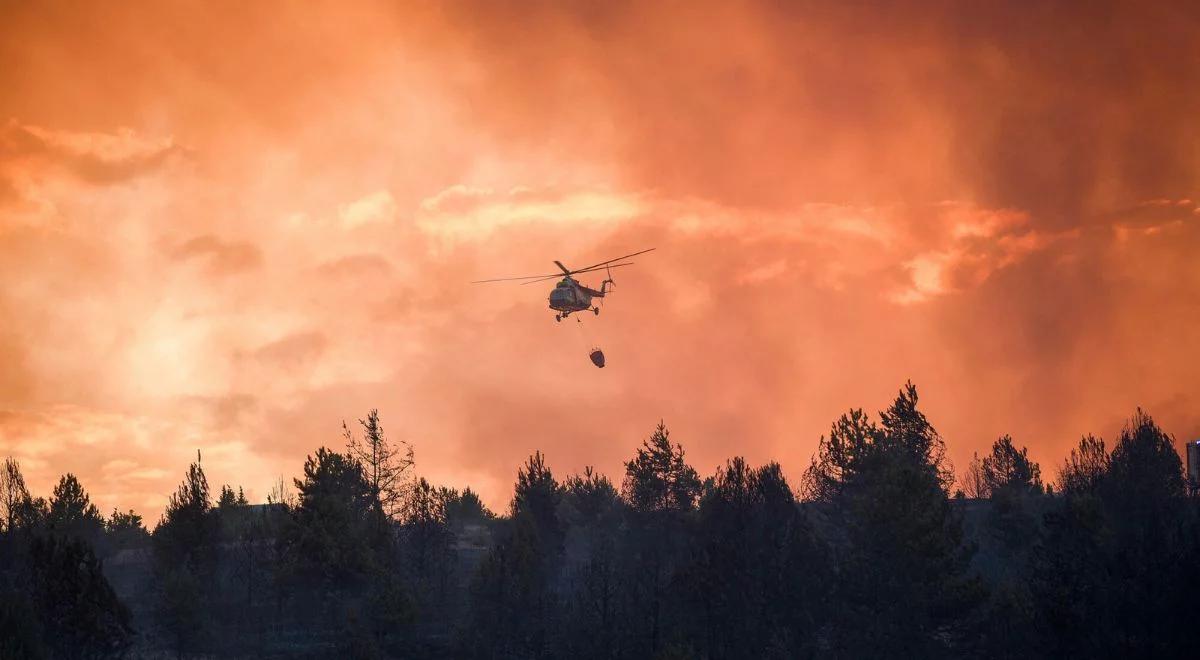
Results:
<point x="869" y="555"/>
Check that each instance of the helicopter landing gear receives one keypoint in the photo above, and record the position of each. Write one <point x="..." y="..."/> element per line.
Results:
<point x="557" y="317"/>
<point x="596" y="311"/>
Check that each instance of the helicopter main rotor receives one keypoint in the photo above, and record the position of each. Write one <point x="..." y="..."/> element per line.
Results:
<point x="566" y="272"/>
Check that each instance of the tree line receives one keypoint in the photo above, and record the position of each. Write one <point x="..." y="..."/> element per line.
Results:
<point x="880" y="550"/>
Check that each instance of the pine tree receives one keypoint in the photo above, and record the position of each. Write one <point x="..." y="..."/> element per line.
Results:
<point x="758" y="580"/>
<point x="185" y="552"/>
<point x="336" y="532"/>
<point x="20" y="510"/>
<point x="904" y="587"/>
<point x="466" y="508"/>
<point x="517" y="575"/>
<point x="1144" y="496"/>
<point x="537" y="495"/>
<point x="594" y="513"/>
<point x="1008" y="468"/>
<point x="229" y="500"/>
<point x="1013" y="528"/>
<point x="427" y="551"/>
<point x="661" y="491"/>
<point x="510" y="598"/>
<point x="1014" y="485"/>
<point x="1085" y="466"/>
<point x="72" y="512"/>
<point x="187" y="531"/>
<point x="658" y="478"/>
<point x="1112" y="577"/>
<point x="590" y="497"/>
<point x="125" y="523"/>
<point x="386" y="467"/>
<point x="80" y="614"/>
<point x="1072" y="604"/>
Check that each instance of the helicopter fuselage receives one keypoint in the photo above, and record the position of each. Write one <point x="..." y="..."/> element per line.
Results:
<point x="570" y="296"/>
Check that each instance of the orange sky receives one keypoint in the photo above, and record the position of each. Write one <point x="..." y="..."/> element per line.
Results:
<point x="229" y="226"/>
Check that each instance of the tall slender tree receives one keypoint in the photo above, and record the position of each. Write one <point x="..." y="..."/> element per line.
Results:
<point x="185" y="552"/>
<point x="515" y="606"/>
<point x="973" y="485"/>
<point x="661" y="491"/>
<point x="20" y="509"/>
<point x="387" y="467"/>
<point x="1014" y="485"/>
<point x="1012" y="528"/>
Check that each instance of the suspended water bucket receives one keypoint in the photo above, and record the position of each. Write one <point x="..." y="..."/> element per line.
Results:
<point x="597" y="357"/>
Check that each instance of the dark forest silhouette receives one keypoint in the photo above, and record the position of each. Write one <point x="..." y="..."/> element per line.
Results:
<point x="879" y="551"/>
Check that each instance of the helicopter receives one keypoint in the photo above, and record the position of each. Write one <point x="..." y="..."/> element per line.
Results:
<point x="570" y="295"/>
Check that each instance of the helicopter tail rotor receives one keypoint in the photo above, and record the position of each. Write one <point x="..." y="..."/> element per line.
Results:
<point x="608" y="284"/>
